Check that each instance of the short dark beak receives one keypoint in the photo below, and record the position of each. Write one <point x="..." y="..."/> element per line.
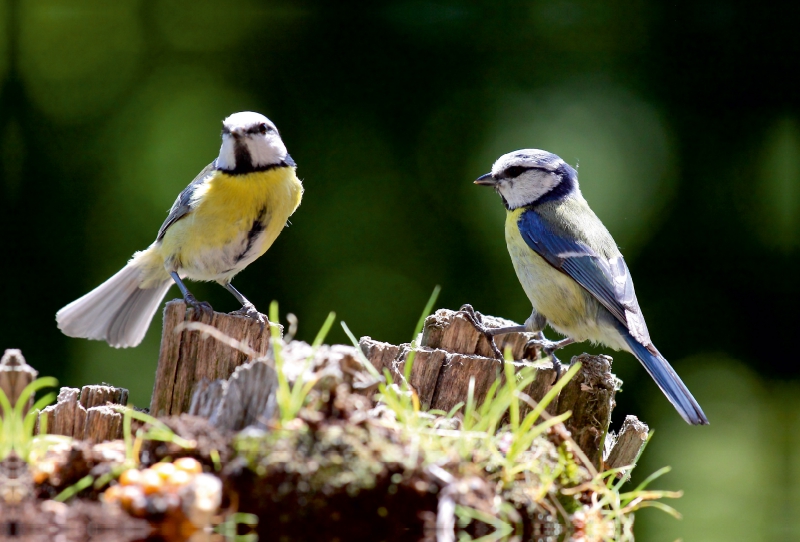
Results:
<point x="486" y="180"/>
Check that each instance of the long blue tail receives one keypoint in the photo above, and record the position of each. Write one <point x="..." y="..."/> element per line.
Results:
<point x="667" y="379"/>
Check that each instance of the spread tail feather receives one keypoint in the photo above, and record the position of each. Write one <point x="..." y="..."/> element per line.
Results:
<point x="668" y="380"/>
<point x="118" y="311"/>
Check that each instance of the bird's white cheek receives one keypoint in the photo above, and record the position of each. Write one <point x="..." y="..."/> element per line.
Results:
<point x="227" y="153"/>
<point x="525" y="190"/>
<point x="266" y="150"/>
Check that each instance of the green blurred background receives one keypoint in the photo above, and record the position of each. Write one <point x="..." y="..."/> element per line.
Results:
<point x="683" y="117"/>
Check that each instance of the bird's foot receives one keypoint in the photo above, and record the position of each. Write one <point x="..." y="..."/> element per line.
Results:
<point x="549" y="347"/>
<point x="249" y="310"/>
<point x="200" y="306"/>
<point x="475" y="319"/>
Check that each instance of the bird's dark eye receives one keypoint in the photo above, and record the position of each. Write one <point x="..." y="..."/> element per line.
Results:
<point x="263" y="128"/>
<point x="514" y="171"/>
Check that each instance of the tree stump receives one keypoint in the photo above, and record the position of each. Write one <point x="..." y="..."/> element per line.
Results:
<point x="186" y="358"/>
<point x="85" y="414"/>
<point x="453" y="351"/>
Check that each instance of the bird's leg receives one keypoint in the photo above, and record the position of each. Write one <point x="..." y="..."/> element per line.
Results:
<point x="190" y="300"/>
<point x="549" y="348"/>
<point x="476" y="320"/>
<point x="248" y="309"/>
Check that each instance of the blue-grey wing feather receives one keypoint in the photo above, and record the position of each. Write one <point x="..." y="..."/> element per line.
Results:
<point x="183" y="205"/>
<point x="607" y="279"/>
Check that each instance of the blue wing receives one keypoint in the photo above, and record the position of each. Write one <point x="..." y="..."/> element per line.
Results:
<point x="608" y="280"/>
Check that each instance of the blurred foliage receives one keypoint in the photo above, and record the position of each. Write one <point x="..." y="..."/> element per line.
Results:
<point x="681" y="117"/>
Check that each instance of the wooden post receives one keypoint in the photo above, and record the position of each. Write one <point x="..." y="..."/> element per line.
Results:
<point x="15" y="375"/>
<point x="186" y="358"/>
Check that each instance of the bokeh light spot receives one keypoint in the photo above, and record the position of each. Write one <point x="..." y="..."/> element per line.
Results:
<point x="208" y="25"/>
<point x="78" y="56"/>
<point x="778" y="218"/>
<point x="618" y="142"/>
<point x="727" y="470"/>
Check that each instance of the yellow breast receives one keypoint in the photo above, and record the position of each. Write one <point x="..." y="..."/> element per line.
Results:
<point x="235" y="219"/>
<point x="553" y="294"/>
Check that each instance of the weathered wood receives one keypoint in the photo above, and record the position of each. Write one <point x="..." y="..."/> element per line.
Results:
<point x="590" y="398"/>
<point x="85" y="414"/>
<point x="442" y="380"/>
<point x="98" y="395"/>
<point x="425" y="369"/>
<point x="626" y="446"/>
<point x="543" y="382"/>
<point x="454" y="351"/>
<point x="102" y="423"/>
<point x="207" y="397"/>
<point x="15" y="375"/>
<point x="453" y="381"/>
<point x="382" y="355"/>
<point x="248" y="397"/>
<point x="186" y="357"/>
<point x="454" y="332"/>
<point x="66" y="417"/>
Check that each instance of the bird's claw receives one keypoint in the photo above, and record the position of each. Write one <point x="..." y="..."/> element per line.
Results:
<point x="549" y="347"/>
<point x="545" y="345"/>
<point x="475" y="319"/>
<point x="249" y="310"/>
<point x="200" y="306"/>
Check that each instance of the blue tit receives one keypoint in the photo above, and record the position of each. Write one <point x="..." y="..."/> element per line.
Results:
<point x="228" y="216"/>
<point x="571" y="269"/>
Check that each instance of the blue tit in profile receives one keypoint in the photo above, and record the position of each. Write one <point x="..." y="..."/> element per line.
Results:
<point x="228" y="216"/>
<point x="571" y="269"/>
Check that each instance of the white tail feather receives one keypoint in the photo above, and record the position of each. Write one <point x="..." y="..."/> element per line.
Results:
<point x="118" y="311"/>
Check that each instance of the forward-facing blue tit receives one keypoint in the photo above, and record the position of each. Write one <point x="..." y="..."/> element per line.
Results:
<point x="228" y="216"/>
<point x="571" y="269"/>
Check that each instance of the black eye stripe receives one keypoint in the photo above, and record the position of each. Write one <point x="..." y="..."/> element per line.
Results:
<point x="513" y="172"/>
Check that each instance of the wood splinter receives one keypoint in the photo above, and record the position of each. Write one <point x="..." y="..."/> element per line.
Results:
<point x="623" y="449"/>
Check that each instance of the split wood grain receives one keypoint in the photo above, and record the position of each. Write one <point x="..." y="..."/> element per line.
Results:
<point x="86" y="414"/>
<point x="246" y="399"/>
<point x="67" y="417"/>
<point x="626" y="446"/>
<point x="102" y="423"/>
<point x="100" y="394"/>
<point x="454" y="332"/>
<point x="187" y="357"/>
